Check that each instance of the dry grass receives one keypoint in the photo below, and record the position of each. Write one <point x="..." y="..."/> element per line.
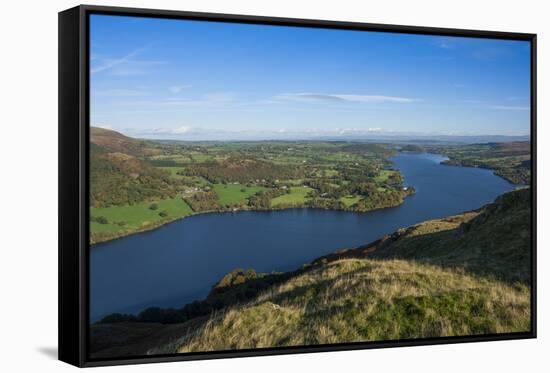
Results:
<point x="355" y="300"/>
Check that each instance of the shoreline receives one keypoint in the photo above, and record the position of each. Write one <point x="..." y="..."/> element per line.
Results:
<point x="159" y="225"/>
<point x="453" y="162"/>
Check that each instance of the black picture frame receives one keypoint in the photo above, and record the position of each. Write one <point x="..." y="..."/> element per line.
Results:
<point x="74" y="186"/>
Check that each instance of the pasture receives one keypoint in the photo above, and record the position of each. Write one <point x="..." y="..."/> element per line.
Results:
<point x="121" y="219"/>
<point x="230" y="194"/>
<point x="297" y="196"/>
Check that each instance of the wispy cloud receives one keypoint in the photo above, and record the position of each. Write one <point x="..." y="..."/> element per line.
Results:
<point x="506" y="107"/>
<point x="490" y="53"/>
<point x="473" y="48"/>
<point x="121" y="93"/>
<point x="470" y="101"/>
<point x="344" y="98"/>
<point x="210" y="100"/>
<point x="445" y="42"/>
<point x="178" y="88"/>
<point x="125" y="65"/>
<point x="109" y="63"/>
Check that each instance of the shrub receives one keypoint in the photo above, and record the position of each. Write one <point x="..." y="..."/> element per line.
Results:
<point x="100" y="219"/>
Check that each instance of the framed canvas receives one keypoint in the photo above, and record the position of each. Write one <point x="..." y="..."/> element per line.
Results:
<point x="235" y="186"/>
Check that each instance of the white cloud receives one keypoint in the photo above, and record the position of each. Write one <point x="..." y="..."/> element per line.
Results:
<point x="344" y="98"/>
<point x="178" y="88"/>
<point x="358" y="131"/>
<point x="183" y="130"/>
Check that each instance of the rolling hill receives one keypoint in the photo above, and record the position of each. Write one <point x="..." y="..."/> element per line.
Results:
<point x="115" y="165"/>
<point x="115" y="142"/>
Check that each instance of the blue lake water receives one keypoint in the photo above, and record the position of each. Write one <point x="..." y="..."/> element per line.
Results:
<point x="179" y="262"/>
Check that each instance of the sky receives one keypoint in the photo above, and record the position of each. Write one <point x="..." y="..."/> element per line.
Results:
<point x="192" y="80"/>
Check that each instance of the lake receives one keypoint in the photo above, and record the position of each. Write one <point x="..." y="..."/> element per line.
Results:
<point x="180" y="262"/>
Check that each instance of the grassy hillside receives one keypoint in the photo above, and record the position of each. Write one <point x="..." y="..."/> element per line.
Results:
<point x="133" y="179"/>
<point x="352" y="300"/>
<point x="241" y="169"/>
<point x="124" y="185"/>
<point x="462" y="275"/>
<point x="111" y="222"/>
<point x="115" y="142"/>
<point x="493" y="241"/>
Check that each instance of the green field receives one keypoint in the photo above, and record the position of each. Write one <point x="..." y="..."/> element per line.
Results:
<point x="230" y="194"/>
<point x="350" y="200"/>
<point x="297" y="196"/>
<point x="127" y="219"/>
<point x="383" y="176"/>
<point x="330" y="173"/>
<point x="198" y="157"/>
<point x="178" y="158"/>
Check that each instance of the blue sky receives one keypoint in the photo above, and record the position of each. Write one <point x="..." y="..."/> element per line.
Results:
<point x="160" y="78"/>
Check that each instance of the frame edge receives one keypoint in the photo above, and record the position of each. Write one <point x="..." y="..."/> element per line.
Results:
<point x="69" y="151"/>
<point x="73" y="183"/>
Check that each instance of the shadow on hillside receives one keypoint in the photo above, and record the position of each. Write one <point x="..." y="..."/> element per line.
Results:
<point x="495" y="244"/>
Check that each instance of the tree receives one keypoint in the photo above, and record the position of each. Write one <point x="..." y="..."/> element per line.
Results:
<point x="153" y="206"/>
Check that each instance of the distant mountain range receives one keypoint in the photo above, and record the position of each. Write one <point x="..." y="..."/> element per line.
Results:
<point x="396" y="139"/>
<point x="434" y="139"/>
<point x="357" y="135"/>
